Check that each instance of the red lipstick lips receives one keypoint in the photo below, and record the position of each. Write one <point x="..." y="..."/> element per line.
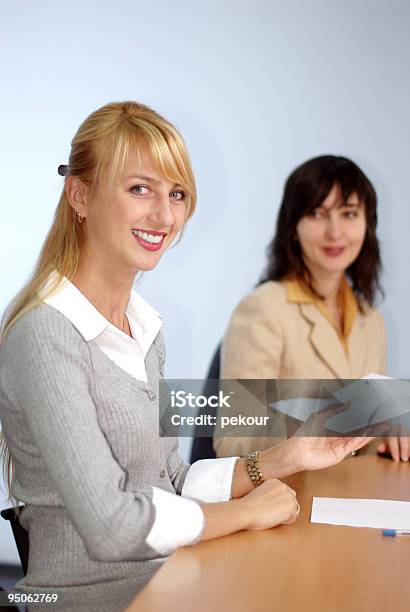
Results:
<point x="333" y="251"/>
<point x="144" y="241"/>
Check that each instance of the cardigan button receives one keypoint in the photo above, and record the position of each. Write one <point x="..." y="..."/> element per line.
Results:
<point x="162" y="473"/>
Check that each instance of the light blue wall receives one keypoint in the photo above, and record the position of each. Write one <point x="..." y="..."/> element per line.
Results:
<point x="255" y="88"/>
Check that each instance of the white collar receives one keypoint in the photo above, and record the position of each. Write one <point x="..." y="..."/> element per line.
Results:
<point x="145" y="321"/>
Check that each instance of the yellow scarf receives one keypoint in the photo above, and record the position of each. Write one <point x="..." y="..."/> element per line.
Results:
<point x="299" y="293"/>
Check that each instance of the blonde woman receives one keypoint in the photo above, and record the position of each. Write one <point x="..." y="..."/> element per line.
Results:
<point x="81" y="355"/>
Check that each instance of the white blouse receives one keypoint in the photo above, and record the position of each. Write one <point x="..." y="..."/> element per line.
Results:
<point x="179" y="520"/>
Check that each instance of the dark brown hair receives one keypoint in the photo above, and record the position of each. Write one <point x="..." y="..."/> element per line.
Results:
<point x="305" y="190"/>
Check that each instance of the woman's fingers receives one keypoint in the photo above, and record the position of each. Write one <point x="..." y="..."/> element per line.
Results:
<point x="382" y="448"/>
<point x="292" y="519"/>
<point x="353" y="444"/>
<point x="404" y="448"/>
<point x="393" y="448"/>
<point x="397" y="446"/>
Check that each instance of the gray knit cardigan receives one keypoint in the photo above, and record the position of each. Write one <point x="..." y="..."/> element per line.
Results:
<point x="84" y="436"/>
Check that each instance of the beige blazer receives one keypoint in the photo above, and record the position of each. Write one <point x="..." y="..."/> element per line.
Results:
<point x="270" y="337"/>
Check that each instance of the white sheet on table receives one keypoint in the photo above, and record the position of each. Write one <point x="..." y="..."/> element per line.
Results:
<point x="375" y="513"/>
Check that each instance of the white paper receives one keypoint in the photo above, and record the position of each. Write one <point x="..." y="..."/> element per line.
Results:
<point x="375" y="513"/>
<point x="375" y="406"/>
<point x="381" y="402"/>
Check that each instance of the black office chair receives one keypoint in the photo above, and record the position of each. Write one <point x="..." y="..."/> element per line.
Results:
<point x="19" y="533"/>
<point x="202" y="448"/>
<point x="7" y="608"/>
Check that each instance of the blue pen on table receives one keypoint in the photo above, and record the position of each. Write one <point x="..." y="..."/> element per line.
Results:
<point x="392" y="533"/>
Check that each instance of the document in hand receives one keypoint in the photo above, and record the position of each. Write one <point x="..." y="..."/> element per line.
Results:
<point x="376" y="513"/>
<point x="372" y="399"/>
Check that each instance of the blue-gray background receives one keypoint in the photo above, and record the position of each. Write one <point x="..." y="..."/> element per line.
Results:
<point x="255" y="88"/>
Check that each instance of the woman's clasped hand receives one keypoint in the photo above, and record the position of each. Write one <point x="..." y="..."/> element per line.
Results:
<point x="270" y="504"/>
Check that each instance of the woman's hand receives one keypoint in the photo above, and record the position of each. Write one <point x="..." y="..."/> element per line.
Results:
<point x="296" y="454"/>
<point x="304" y="453"/>
<point x="271" y="503"/>
<point x="318" y="453"/>
<point x="315" y="448"/>
<point x="398" y="447"/>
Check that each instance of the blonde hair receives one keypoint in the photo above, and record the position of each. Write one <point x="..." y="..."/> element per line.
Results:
<point x="99" y="152"/>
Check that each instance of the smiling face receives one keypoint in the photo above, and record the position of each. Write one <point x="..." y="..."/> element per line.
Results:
<point x="130" y="222"/>
<point x="332" y="235"/>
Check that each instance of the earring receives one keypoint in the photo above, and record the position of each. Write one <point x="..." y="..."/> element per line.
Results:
<point x="79" y="218"/>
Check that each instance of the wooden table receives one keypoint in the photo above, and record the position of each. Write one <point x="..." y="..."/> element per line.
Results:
<point x="298" y="568"/>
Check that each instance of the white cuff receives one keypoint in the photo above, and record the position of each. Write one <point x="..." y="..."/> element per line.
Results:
<point x="178" y="522"/>
<point x="210" y="480"/>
